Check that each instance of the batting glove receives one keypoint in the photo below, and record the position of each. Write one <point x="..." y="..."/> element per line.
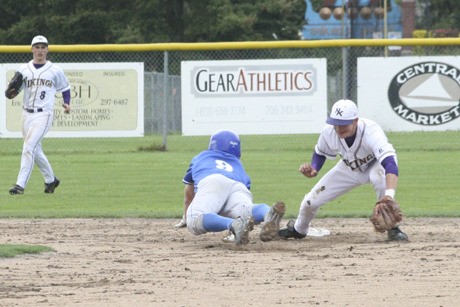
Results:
<point x="182" y="223"/>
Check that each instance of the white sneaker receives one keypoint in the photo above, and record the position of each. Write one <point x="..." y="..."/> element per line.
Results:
<point x="241" y="228"/>
<point x="272" y="221"/>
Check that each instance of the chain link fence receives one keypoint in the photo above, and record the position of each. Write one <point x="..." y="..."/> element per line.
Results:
<point x="162" y="65"/>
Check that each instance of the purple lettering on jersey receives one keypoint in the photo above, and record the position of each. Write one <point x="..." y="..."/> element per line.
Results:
<point x="359" y="162"/>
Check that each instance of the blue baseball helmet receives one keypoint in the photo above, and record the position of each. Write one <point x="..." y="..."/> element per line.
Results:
<point x="226" y="140"/>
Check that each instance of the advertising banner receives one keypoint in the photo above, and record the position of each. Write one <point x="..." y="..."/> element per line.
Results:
<point x="107" y="100"/>
<point x="410" y="93"/>
<point x="254" y="96"/>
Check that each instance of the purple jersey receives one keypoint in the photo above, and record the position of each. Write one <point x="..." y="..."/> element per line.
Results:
<point x="211" y="162"/>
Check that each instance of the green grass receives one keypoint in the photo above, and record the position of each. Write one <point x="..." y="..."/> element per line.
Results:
<point x="134" y="177"/>
<point x="12" y="250"/>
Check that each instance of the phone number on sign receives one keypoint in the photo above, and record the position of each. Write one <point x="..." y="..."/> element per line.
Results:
<point x="287" y="109"/>
<point x="220" y="111"/>
<point x="223" y="111"/>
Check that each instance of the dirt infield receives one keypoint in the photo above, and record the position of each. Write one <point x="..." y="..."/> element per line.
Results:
<point x="144" y="262"/>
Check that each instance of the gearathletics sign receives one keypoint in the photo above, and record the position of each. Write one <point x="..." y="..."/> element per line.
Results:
<point x="254" y="97"/>
<point x="414" y="93"/>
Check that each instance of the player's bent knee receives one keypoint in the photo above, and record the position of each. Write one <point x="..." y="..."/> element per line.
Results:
<point x="311" y="202"/>
<point x="195" y="224"/>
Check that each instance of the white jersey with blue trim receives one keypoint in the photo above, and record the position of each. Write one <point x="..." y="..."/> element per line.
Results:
<point x="370" y="145"/>
<point x="211" y="162"/>
<point x="41" y="84"/>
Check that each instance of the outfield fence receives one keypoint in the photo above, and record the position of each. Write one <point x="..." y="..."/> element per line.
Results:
<point x="162" y="65"/>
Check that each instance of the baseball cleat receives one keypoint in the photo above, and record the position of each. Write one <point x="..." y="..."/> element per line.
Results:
<point x="16" y="190"/>
<point x="241" y="228"/>
<point x="272" y="221"/>
<point x="290" y="232"/>
<point x="49" y="187"/>
<point x="395" y="234"/>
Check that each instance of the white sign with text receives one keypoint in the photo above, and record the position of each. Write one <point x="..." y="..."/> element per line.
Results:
<point x="254" y="96"/>
<point x="107" y="100"/>
<point x="410" y="93"/>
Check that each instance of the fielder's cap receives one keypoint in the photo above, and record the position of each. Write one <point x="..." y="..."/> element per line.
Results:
<point x="39" y="39"/>
<point x="343" y="113"/>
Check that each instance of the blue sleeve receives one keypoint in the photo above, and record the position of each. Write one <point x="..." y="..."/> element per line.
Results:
<point x="317" y="161"/>
<point x="66" y="96"/>
<point x="188" y="179"/>
<point x="390" y="166"/>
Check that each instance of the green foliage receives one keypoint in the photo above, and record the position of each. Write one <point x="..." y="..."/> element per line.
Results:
<point x="438" y="14"/>
<point x="12" y="250"/>
<point x="132" y="177"/>
<point x="241" y="21"/>
<point x="316" y="5"/>
<point x="147" y="21"/>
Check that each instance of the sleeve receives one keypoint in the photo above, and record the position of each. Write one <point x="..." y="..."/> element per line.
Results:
<point x="66" y="96"/>
<point x="317" y="161"/>
<point x="62" y="84"/>
<point x="379" y="144"/>
<point x="22" y="70"/>
<point x="188" y="178"/>
<point x="390" y="165"/>
<point x="325" y="146"/>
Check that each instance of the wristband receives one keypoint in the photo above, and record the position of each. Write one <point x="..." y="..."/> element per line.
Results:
<point x="390" y="192"/>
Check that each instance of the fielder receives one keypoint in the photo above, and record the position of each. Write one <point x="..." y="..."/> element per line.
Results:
<point x="366" y="157"/>
<point x="40" y="80"/>
<point x="217" y="193"/>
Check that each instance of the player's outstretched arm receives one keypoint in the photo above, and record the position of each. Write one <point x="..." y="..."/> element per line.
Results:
<point x="189" y="194"/>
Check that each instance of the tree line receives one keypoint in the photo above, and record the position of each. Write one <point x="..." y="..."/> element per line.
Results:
<point x="149" y="21"/>
<point x="159" y="21"/>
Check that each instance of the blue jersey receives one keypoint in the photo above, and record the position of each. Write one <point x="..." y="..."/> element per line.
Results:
<point x="211" y="162"/>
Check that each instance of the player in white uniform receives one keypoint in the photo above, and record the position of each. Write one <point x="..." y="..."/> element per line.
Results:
<point x="366" y="157"/>
<point x="217" y="195"/>
<point x="41" y="80"/>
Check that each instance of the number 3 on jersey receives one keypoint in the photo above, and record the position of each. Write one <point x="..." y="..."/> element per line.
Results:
<point x="220" y="164"/>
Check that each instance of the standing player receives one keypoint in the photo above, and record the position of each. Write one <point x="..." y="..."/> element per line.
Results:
<point x="217" y="195"/>
<point x="366" y="157"/>
<point x="41" y="80"/>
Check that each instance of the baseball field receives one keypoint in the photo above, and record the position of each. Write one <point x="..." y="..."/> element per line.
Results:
<point x="110" y="230"/>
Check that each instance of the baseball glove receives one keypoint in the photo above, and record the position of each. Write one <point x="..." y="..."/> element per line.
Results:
<point x="14" y="86"/>
<point x="386" y="215"/>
